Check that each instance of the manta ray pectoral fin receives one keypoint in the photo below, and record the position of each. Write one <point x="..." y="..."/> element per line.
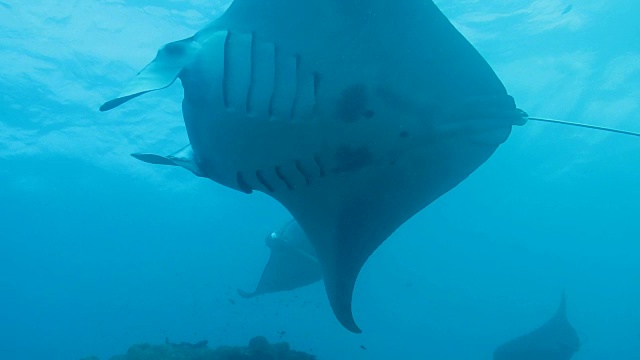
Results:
<point x="158" y="74"/>
<point x="183" y="158"/>
<point x="348" y="215"/>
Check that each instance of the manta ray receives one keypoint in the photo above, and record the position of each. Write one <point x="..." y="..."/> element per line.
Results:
<point x="353" y="114"/>
<point x="292" y="264"/>
<point x="554" y="340"/>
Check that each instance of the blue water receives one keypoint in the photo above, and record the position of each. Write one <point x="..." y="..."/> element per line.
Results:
<point x="99" y="251"/>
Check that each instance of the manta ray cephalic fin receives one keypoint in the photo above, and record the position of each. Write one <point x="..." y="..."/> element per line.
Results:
<point x="159" y="74"/>
<point x="183" y="158"/>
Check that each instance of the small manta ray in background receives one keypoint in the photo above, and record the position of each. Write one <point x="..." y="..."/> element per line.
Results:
<point x="555" y="340"/>
<point x="354" y="115"/>
<point x="292" y="263"/>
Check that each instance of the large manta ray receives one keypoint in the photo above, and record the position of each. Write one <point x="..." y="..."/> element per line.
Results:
<point x="292" y="264"/>
<point x="353" y="114"/>
<point x="554" y="340"/>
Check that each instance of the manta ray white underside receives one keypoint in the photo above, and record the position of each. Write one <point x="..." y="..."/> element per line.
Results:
<point x="353" y="114"/>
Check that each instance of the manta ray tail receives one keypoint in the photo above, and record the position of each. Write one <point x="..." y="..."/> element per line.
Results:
<point x="569" y="123"/>
<point x="183" y="158"/>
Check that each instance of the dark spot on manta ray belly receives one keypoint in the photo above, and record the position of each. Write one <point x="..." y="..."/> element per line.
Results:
<point x="368" y="113"/>
<point x="352" y="104"/>
<point x="349" y="158"/>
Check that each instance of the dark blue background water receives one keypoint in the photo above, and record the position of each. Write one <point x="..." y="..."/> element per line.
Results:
<point x="99" y="251"/>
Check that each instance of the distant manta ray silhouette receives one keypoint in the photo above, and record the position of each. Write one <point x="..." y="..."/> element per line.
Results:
<point x="354" y="115"/>
<point x="292" y="264"/>
<point x="554" y="340"/>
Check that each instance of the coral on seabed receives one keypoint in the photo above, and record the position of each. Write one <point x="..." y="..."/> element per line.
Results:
<point x="259" y="348"/>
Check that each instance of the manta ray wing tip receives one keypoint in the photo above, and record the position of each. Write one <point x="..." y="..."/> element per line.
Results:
<point x="353" y="328"/>
<point x="346" y="319"/>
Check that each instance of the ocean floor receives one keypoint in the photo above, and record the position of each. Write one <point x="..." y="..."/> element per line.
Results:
<point x="258" y="348"/>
